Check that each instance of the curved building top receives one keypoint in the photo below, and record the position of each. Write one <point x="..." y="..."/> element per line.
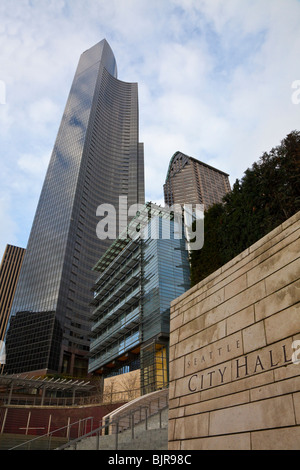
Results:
<point x="100" y="52"/>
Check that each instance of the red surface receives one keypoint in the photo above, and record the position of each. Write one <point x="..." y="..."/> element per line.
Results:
<point x="35" y="420"/>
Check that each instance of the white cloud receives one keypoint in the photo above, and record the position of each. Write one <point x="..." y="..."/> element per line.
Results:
<point x="214" y="82"/>
<point x="9" y="227"/>
<point x="34" y="165"/>
<point x="44" y="113"/>
<point x="6" y="119"/>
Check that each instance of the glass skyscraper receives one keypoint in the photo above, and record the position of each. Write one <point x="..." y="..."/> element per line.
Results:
<point x="138" y="277"/>
<point x="96" y="158"/>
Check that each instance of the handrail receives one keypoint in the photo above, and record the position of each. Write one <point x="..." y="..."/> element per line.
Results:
<point x="78" y="439"/>
<point x="114" y="423"/>
<point x="73" y="442"/>
<point x="146" y="399"/>
<point x="50" y="434"/>
<point x="113" y="396"/>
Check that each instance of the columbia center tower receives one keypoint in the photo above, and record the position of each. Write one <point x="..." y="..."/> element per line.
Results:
<point x="96" y="158"/>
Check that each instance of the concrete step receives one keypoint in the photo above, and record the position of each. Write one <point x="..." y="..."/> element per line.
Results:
<point x="7" y="441"/>
<point x="152" y="438"/>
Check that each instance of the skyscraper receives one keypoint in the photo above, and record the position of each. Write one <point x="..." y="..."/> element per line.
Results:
<point x="193" y="182"/>
<point x="138" y="277"/>
<point x="9" y="273"/>
<point x="96" y="158"/>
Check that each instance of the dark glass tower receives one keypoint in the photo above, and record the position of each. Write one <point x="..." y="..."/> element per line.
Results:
<point x="96" y="158"/>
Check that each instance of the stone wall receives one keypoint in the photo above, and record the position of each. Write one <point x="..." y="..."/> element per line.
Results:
<point x="234" y="345"/>
<point x="123" y="387"/>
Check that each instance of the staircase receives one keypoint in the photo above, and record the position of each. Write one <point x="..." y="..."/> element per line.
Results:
<point x="141" y="424"/>
<point x="153" y="438"/>
<point x="7" y="441"/>
<point x="50" y="441"/>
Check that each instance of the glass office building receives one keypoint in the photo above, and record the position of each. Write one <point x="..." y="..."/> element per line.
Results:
<point x="138" y="277"/>
<point x="96" y="158"/>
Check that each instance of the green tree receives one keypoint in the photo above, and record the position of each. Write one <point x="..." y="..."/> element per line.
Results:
<point x="209" y="258"/>
<point x="268" y="194"/>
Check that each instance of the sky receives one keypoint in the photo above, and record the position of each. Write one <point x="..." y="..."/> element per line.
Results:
<point x="217" y="80"/>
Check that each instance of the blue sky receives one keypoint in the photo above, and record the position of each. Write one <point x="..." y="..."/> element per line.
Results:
<point x="215" y="82"/>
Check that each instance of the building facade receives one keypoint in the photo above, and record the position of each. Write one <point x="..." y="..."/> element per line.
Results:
<point x="138" y="277"/>
<point x="96" y="158"/>
<point x="9" y="274"/>
<point x="190" y="181"/>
